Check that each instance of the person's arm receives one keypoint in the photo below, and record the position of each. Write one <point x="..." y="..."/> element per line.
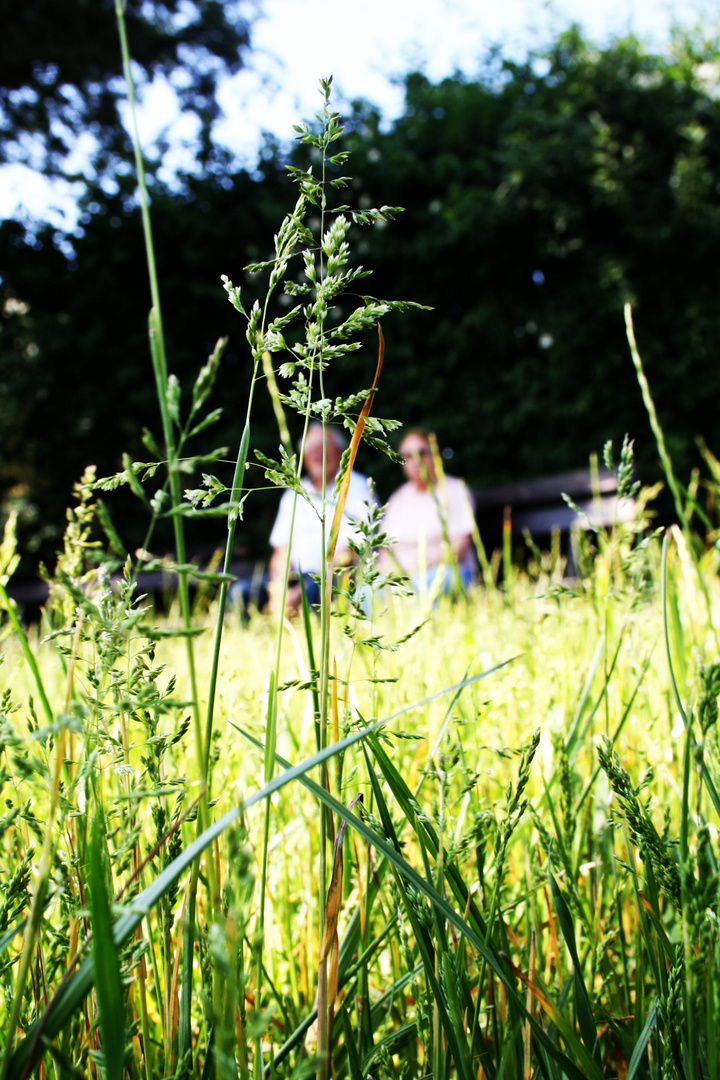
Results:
<point x="293" y="595"/>
<point x="461" y="545"/>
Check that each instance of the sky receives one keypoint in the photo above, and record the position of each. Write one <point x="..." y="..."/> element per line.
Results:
<point x="367" y="45"/>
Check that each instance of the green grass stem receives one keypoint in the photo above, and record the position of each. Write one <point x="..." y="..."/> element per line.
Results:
<point x="667" y="463"/>
<point x="65" y="1003"/>
<point x="27" y="652"/>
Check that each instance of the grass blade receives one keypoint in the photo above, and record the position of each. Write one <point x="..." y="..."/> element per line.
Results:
<point x="641" y="1045"/>
<point x="355" y="1069"/>
<point x="666" y="628"/>
<point x="9" y="936"/>
<point x="411" y="875"/>
<point x="307" y="627"/>
<point x="586" y="1021"/>
<point x="707" y="779"/>
<point x="27" y="652"/>
<point x="70" y="995"/>
<point x="105" y="960"/>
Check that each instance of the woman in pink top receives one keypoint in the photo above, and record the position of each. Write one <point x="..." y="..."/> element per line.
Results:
<point x="429" y="520"/>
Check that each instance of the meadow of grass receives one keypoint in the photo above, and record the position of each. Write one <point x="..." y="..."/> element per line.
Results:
<point x="511" y="898"/>
<point x="397" y="836"/>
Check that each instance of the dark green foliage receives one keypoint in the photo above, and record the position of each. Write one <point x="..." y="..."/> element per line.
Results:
<point x="535" y="205"/>
<point x="60" y="71"/>
<point x="538" y="199"/>
<point x="106" y="963"/>
<point x="76" y="374"/>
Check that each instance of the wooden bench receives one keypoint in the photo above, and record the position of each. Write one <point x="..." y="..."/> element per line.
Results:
<point x="533" y="505"/>
<point x="538" y="506"/>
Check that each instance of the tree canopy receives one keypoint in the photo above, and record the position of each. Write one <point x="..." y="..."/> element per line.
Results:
<point x="539" y="198"/>
<point x="61" y="72"/>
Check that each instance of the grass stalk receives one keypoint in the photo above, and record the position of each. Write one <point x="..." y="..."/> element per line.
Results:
<point x="654" y="422"/>
<point x="27" y="653"/>
<point x="667" y="465"/>
<point x="157" y="349"/>
<point x="32" y="925"/>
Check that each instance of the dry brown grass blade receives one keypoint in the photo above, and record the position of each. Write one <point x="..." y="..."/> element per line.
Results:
<point x="335" y="890"/>
<point x="334" y="972"/>
<point x="535" y="992"/>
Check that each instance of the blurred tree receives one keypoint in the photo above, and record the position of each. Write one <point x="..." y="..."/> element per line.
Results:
<point x="539" y="197"/>
<point x="67" y="301"/>
<point x="61" y="73"/>
<point x="76" y="382"/>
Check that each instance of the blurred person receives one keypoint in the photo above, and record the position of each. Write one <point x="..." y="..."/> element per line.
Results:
<point x="429" y="521"/>
<point x="306" y="546"/>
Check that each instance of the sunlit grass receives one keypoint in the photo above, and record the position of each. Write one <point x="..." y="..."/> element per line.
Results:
<point x="575" y="667"/>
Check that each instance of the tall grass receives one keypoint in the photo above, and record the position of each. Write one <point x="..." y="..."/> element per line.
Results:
<point x="477" y="839"/>
<point x="504" y="899"/>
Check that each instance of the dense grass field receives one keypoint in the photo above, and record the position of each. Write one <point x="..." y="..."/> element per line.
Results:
<point x="515" y="896"/>
<point x="394" y="837"/>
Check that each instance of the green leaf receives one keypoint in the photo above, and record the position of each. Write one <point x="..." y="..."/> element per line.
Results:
<point x="9" y="936"/>
<point x="105" y="960"/>
<point x="586" y="1021"/>
<point x="71" y="996"/>
<point x="150" y="443"/>
<point x="190" y="464"/>
<point x="641" y="1045"/>
<point x="211" y="418"/>
<point x="307" y="626"/>
<point x="130" y="476"/>
<point x="155" y="633"/>
<point x="110" y="530"/>
<point x="218" y="510"/>
<point x="352" y="1054"/>
<point x="202" y="575"/>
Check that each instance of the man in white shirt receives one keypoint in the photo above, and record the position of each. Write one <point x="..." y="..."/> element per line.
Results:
<point x="306" y="544"/>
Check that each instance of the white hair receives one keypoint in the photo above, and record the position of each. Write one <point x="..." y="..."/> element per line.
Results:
<point x="334" y="433"/>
